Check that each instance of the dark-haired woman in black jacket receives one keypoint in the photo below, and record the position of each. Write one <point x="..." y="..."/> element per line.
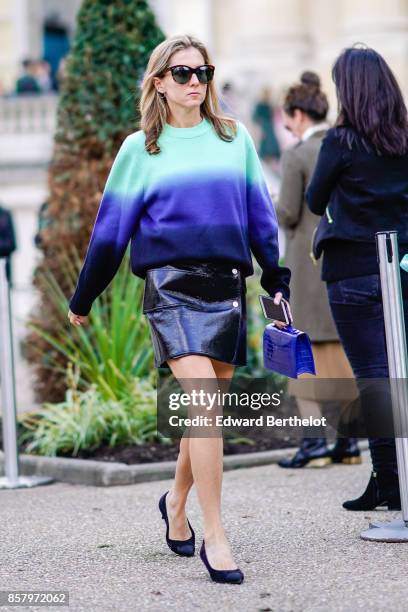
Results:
<point x="360" y="187"/>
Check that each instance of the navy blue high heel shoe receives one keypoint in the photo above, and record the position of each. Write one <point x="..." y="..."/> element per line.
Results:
<point x="184" y="548"/>
<point x="234" y="576"/>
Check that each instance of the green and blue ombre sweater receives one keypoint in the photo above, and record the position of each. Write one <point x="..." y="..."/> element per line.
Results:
<point x="200" y="198"/>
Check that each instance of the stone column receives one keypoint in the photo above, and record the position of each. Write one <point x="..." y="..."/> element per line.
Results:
<point x="186" y="17"/>
<point x="382" y="25"/>
<point x="14" y="40"/>
<point x="21" y="29"/>
<point x="323" y="23"/>
<point x="261" y="42"/>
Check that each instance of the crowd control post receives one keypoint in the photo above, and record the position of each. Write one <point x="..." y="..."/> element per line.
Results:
<point x="11" y="480"/>
<point x="387" y="248"/>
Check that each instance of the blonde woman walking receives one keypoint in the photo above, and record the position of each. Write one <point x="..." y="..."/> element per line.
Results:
<point x="188" y="191"/>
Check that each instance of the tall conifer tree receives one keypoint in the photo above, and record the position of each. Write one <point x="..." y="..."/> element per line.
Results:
<point x="100" y="91"/>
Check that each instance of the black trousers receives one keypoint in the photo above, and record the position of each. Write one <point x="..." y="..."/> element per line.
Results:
<point x="357" y="310"/>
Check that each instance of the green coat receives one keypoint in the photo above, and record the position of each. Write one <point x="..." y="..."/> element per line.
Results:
<point x="263" y="116"/>
<point x="309" y="301"/>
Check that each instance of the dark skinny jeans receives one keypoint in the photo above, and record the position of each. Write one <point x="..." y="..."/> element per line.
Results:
<point x="357" y="310"/>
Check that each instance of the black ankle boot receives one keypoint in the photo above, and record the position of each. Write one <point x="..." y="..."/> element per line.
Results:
<point x="346" y="451"/>
<point x="312" y="452"/>
<point x="382" y="490"/>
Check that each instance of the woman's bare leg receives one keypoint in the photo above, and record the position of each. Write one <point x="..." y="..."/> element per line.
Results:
<point x="206" y="459"/>
<point x="177" y="497"/>
<point x="309" y="408"/>
<point x="222" y="369"/>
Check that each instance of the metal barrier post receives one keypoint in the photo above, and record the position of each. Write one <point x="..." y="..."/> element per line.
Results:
<point x="11" y="480"/>
<point x="387" y="246"/>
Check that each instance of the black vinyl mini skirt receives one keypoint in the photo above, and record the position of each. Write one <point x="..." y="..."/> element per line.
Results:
<point x="197" y="308"/>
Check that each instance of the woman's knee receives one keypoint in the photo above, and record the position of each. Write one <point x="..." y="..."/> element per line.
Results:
<point x="192" y="366"/>
<point x="222" y="369"/>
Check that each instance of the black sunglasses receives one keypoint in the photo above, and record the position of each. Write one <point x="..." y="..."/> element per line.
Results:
<point x="182" y="74"/>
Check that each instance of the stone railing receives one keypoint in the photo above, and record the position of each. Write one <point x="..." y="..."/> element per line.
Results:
<point x="27" y="125"/>
<point x="33" y="114"/>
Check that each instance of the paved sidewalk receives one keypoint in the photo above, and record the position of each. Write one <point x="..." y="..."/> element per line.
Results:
<point x="299" y="549"/>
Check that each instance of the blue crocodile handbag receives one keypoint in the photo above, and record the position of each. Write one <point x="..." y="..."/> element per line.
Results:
<point x="287" y="351"/>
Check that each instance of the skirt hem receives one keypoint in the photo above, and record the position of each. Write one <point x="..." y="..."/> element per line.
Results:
<point x="211" y="356"/>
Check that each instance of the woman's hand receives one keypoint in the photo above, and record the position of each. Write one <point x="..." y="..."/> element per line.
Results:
<point x="77" y="319"/>
<point x="277" y="298"/>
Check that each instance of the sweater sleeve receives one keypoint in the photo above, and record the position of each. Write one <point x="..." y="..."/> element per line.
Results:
<point x="115" y="222"/>
<point x="327" y="170"/>
<point x="263" y="225"/>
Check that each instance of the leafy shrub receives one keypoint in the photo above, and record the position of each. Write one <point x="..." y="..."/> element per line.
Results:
<point x="98" y="108"/>
<point x="85" y="420"/>
<point x="114" y="347"/>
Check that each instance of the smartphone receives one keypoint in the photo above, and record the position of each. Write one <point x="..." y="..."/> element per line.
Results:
<point x="277" y="312"/>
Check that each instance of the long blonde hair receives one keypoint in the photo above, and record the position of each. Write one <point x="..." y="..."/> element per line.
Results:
<point x="153" y="106"/>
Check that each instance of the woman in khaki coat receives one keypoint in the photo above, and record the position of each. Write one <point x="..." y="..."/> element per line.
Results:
<point x="305" y="109"/>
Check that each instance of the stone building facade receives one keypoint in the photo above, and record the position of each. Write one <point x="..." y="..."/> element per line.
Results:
<point x="252" y="41"/>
